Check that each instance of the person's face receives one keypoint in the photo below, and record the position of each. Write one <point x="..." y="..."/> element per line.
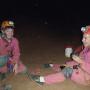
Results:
<point x="9" y="32"/>
<point x="86" y="40"/>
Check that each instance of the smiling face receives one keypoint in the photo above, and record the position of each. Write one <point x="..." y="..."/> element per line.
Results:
<point x="86" y="40"/>
<point x="9" y="32"/>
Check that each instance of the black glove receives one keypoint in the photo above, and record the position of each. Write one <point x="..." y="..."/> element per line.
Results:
<point x="75" y="67"/>
<point x="62" y="67"/>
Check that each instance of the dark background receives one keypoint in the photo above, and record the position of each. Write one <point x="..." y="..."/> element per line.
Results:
<point x="60" y="16"/>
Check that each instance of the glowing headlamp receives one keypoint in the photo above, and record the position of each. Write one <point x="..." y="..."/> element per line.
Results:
<point x="83" y="29"/>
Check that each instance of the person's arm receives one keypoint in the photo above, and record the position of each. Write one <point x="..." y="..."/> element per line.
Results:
<point x="86" y="63"/>
<point x="15" y="52"/>
<point x="15" y="55"/>
<point x="77" y="59"/>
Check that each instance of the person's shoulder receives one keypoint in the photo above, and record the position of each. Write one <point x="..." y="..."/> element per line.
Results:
<point x="15" y="39"/>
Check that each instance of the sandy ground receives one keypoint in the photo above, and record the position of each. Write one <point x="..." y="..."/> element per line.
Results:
<point x="37" y="49"/>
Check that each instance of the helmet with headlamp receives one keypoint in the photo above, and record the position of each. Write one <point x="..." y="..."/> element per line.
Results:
<point x="7" y="24"/>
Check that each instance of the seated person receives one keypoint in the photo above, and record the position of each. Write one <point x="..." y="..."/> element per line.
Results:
<point x="9" y="50"/>
<point x="77" y="70"/>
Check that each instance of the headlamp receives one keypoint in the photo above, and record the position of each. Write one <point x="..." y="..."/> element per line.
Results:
<point x="83" y="29"/>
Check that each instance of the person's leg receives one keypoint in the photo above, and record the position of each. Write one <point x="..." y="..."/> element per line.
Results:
<point x="54" y="78"/>
<point x="49" y="79"/>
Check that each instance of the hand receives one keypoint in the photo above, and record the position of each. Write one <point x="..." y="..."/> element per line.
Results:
<point x="76" y="58"/>
<point x="15" y="68"/>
